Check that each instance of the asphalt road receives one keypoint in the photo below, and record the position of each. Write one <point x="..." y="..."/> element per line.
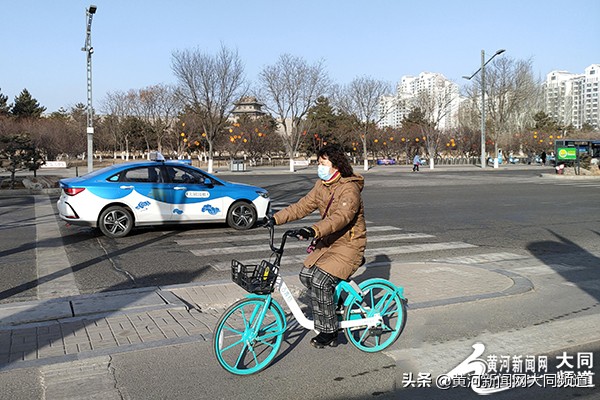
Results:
<point x="513" y="211"/>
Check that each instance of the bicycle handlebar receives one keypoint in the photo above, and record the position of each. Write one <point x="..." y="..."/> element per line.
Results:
<point x="286" y="234"/>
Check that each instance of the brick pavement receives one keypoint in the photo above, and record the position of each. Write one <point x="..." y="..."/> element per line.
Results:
<point x="55" y="341"/>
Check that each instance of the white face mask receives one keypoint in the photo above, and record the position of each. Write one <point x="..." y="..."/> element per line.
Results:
<point x="324" y="172"/>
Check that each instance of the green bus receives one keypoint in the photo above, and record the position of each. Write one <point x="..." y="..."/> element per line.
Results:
<point x="568" y="151"/>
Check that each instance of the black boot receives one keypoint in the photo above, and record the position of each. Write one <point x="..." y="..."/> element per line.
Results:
<point x="325" y="339"/>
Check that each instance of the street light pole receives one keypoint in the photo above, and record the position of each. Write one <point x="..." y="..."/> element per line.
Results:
<point x="89" y="13"/>
<point x="483" y="152"/>
<point x="482" y="69"/>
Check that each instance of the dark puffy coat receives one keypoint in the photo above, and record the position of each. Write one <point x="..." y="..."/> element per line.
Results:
<point x="342" y="233"/>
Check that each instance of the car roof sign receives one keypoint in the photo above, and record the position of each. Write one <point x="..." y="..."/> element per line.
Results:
<point x="156" y="156"/>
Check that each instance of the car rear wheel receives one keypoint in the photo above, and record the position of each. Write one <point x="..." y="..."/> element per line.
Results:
<point x="115" y="222"/>
<point x="241" y="216"/>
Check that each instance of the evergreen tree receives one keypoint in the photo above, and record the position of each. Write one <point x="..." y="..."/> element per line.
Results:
<point x="4" y="106"/>
<point x="322" y="125"/>
<point x="26" y="106"/>
<point x="545" y="122"/>
<point x="61" y="114"/>
<point x="322" y="115"/>
<point x="21" y="153"/>
<point x="414" y="126"/>
<point x="415" y="117"/>
<point x="79" y="113"/>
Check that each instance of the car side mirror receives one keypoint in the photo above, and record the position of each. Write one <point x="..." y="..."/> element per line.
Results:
<point x="208" y="182"/>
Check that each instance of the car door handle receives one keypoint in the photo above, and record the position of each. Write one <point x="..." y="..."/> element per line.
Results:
<point x="180" y="188"/>
<point x="126" y="187"/>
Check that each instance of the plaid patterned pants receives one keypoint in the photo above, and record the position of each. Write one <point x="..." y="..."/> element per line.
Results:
<point x="321" y="287"/>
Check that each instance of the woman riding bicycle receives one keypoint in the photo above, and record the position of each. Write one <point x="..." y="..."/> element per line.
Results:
<point x="340" y="236"/>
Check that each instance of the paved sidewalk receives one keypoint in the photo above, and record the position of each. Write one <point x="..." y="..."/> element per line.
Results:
<point x="69" y="328"/>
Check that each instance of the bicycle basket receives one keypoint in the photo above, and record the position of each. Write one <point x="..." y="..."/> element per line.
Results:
<point x="259" y="279"/>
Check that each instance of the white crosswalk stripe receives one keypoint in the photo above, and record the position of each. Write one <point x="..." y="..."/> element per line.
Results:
<point x="259" y="237"/>
<point x="219" y="245"/>
<point x="575" y="183"/>
<point x="482" y="258"/>
<point x="293" y="245"/>
<point x="244" y="246"/>
<point x="369" y="253"/>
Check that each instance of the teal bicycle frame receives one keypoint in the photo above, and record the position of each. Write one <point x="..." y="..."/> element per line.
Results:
<point x="353" y="291"/>
<point x="372" y="314"/>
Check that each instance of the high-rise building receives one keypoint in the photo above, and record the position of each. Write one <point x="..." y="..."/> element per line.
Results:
<point x="572" y="99"/>
<point x="437" y="97"/>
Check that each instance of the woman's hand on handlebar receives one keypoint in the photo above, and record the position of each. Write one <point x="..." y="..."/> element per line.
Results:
<point x="305" y="233"/>
<point x="269" y="222"/>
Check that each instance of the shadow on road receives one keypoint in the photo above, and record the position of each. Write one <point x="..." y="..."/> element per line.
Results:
<point x="574" y="263"/>
<point x="378" y="268"/>
<point x="5" y="294"/>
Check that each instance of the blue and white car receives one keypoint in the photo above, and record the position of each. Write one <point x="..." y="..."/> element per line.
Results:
<point x="119" y="197"/>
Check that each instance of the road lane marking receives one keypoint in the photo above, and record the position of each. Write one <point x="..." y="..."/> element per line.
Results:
<point x="369" y="253"/>
<point x="238" y="237"/>
<point x="54" y="274"/>
<point x="298" y="245"/>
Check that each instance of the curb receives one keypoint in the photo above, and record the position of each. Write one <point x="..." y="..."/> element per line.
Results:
<point x="36" y="313"/>
<point x="570" y="177"/>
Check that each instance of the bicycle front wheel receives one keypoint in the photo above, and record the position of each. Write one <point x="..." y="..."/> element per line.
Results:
<point x="244" y="343"/>
<point x="379" y="298"/>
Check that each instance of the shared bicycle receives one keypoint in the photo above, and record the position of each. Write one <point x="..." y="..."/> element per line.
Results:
<point x="248" y="335"/>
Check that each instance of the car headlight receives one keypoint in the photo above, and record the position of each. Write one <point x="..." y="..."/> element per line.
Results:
<point x="262" y="193"/>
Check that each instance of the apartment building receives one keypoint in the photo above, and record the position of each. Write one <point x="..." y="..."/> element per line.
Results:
<point x="572" y="99"/>
<point x="437" y="96"/>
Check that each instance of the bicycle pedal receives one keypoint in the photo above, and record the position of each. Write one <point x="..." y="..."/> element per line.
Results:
<point x="375" y="331"/>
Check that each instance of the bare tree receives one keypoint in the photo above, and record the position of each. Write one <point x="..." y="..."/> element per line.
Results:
<point x="511" y="88"/>
<point x="157" y="106"/>
<point x="513" y="96"/>
<point x="290" y="88"/>
<point x="360" y="98"/>
<point x="117" y="107"/>
<point x="438" y="104"/>
<point x="209" y="85"/>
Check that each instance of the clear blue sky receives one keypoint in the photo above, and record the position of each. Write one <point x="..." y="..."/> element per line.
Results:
<point x="40" y="49"/>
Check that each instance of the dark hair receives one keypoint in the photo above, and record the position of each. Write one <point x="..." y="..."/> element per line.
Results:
<point x="336" y="155"/>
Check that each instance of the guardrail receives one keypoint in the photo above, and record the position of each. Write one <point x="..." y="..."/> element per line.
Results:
<point x="55" y="164"/>
<point x="301" y="163"/>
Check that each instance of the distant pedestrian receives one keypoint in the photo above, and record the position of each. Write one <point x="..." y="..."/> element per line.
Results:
<point x="543" y="157"/>
<point x="416" y="163"/>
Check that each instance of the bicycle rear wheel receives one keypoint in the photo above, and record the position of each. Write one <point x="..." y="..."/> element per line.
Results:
<point x="379" y="298"/>
<point x="243" y="342"/>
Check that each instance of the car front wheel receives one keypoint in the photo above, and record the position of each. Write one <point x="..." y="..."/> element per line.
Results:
<point x="116" y="222"/>
<point x="241" y="216"/>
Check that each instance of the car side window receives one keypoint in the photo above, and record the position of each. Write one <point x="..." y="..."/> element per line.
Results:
<point x="142" y="174"/>
<point x="185" y="175"/>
